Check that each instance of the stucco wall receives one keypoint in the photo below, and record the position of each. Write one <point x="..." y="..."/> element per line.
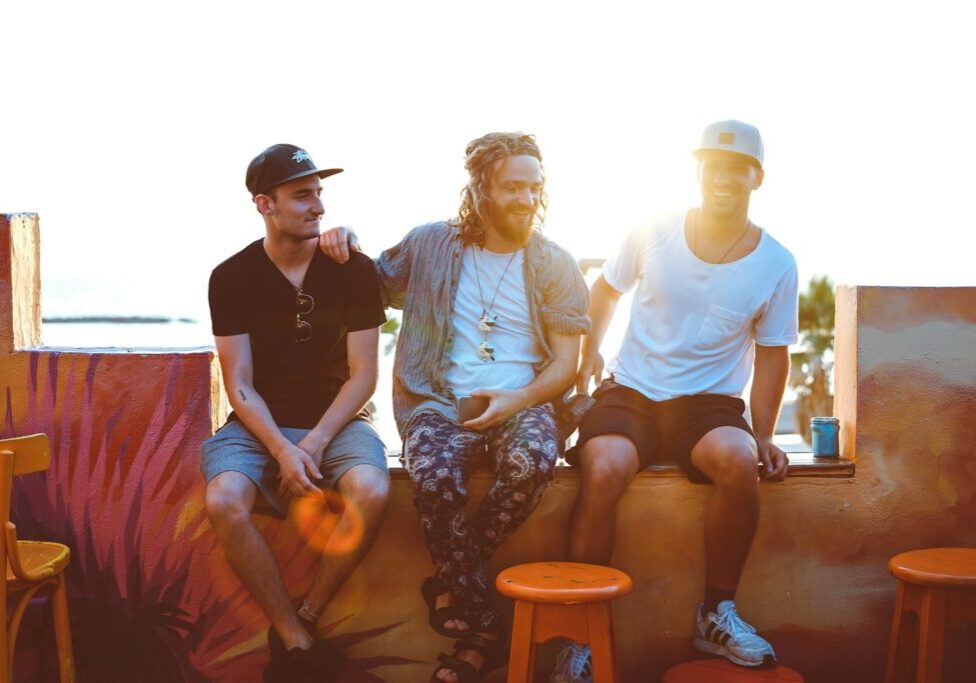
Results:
<point x="152" y="598"/>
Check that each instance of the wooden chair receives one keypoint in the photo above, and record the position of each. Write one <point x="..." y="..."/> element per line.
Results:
<point x="938" y="587"/>
<point x="568" y="599"/>
<point x="32" y="566"/>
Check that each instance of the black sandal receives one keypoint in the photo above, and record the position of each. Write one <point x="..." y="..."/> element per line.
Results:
<point x="431" y="588"/>
<point x="494" y="653"/>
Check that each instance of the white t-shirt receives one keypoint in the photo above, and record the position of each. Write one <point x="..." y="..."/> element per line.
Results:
<point x="694" y="325"/>
<point x="516" y="349"/>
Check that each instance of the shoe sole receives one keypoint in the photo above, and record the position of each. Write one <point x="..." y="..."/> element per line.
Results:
<point x="720" y="650"/>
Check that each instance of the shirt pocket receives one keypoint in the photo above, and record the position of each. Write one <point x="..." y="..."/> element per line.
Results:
<point x="720" y="326"/>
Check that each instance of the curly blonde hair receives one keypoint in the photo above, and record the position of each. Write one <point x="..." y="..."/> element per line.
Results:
<point x="479" y="159"/>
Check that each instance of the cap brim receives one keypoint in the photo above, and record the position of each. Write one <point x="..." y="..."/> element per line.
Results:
<point x="701" y="151"/>
<point x="322" y="173"/>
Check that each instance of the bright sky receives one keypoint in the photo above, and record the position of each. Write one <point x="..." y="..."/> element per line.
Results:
<point x="128" y="129"/>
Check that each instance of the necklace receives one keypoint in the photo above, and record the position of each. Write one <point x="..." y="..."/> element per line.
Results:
<point x="694" y="240"/>
<point x="488" y="320"/>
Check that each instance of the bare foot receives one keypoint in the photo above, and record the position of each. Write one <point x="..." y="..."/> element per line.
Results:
<point x="446" y="600"/>
<point x="472" y="657"/>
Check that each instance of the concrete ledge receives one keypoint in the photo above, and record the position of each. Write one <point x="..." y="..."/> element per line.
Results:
<point x="801" y="465"/>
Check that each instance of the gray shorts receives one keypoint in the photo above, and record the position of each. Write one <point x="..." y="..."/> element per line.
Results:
<point x="235" y="449"/>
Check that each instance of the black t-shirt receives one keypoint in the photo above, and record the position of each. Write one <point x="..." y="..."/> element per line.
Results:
<point x="297" y="379"/>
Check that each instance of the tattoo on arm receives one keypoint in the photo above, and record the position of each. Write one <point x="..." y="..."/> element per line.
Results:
<point x="243" y="397"/>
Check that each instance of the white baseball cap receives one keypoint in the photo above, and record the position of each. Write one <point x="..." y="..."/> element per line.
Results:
<point x="732" y="136"/>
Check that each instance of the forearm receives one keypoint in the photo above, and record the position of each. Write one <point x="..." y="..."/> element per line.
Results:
<point x="254" y="413"/>
<point x="550" y="383"/>
<point x="768" y="384"/>
<point x="351" y="399"/>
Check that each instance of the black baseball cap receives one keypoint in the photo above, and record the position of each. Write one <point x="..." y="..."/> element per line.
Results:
<point x="278" y="164"/>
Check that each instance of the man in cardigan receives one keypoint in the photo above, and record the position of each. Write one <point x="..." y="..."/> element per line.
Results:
<point x="492" y="317"/>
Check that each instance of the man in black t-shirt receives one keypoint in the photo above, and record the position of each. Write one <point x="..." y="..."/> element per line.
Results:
<point x="297" y="336"/>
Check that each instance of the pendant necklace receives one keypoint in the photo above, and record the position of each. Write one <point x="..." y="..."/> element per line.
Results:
<point x="488" y="320"/>
<point x="694" y="240"/>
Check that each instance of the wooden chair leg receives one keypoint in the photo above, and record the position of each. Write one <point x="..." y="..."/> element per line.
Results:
<point x="521" y="661"/>
<point x="895" y="641"/>
<point x="931" y="636"/>
<point x="62" y="632"/>
<point x="600" y="621"/>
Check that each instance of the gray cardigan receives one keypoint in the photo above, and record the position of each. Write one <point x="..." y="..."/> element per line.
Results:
<point x="420" y="276"/>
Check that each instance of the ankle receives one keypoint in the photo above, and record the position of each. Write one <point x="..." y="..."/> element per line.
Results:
<point x="306" y="614"/>
<point x="713" y="596"/>
<point x="299" y="639"/>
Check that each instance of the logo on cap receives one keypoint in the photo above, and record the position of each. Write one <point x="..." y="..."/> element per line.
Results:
<point x="726" y="138"/>
<point x="300" y="155"/>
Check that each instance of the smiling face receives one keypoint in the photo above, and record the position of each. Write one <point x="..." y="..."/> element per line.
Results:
<point x="516" y="195"/>
<point x="727" y="180"/>
<point x="292" y="210"/>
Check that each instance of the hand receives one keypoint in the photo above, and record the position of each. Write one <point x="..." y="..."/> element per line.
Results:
<point x="297" y="469"/>
<point x="501" y="406"/>
<point x="773" y="459"/>
<point x="591" y="367"/>
<point x="338" y="243"/>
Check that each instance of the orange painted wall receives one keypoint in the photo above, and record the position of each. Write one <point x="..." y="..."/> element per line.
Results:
<point x="152" y="598"/>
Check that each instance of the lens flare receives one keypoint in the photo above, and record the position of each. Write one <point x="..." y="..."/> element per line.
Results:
<point x="329" y="524"/>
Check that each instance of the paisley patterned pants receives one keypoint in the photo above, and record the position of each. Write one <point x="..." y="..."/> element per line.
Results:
<point x="440" y="455"/>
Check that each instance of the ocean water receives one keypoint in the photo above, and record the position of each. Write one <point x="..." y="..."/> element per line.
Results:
<point x="126" y="335"/>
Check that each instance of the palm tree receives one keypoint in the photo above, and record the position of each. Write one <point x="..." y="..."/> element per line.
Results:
<point x="811" y="366"/>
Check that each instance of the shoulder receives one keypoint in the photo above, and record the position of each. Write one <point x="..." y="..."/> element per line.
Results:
<point x="543" y="251"/>
<point x="775" y="253"/>
<point x="662" y="226"/>
<point x="360" y="265"/>
<point x="237" y="265"/>
<point x="435" y="231"/>
<point x="655" y="231"/>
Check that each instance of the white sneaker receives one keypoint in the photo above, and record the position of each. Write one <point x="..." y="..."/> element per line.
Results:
<point x="573" y="664"/>
<point x="726" y="634"/>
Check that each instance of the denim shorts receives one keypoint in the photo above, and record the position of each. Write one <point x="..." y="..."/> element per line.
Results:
<point x="235" y="449"/>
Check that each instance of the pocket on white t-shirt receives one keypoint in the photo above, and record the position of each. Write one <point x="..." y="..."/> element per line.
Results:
<point x="720" y="326"/>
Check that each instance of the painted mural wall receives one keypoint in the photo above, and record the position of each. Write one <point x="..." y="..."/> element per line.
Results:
<point x="152" y="599"/>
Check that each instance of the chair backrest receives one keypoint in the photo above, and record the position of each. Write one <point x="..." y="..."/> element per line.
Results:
<point x="33" y="452"/>
<point x="20" y="455"/>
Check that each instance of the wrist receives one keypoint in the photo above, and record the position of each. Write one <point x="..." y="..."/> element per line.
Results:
<point x="279" y="450"/>
<point x="316" y="441"/>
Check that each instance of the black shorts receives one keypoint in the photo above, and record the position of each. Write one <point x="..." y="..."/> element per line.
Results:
<point x="663" y="431"/>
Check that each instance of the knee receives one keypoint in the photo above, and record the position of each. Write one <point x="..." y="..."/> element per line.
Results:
<point x="605" y="475"/>
<point x="735" y="466"/>
<point x="368" y="489"/>
<point x="528" y="468"/>
<point x="225" y="506"/>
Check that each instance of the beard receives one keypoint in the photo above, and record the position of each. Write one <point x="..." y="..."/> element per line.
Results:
<point x="514" y="228"/>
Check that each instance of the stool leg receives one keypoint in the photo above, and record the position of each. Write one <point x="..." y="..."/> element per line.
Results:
<point x="899" y="654"/>
<point x="62" y="631"/>
<point x="931" y="636"/>
<point x="603" y="648"/>
<point x="521" y="660"/>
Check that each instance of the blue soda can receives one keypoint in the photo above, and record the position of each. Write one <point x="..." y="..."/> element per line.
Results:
<point x="825" y="439"/>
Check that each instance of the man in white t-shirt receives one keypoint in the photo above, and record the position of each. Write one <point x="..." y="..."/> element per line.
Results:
<point x="716" y="298"/>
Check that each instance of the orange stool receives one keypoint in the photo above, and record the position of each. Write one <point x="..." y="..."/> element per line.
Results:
<point x="723" y="671"/>
<point x="568" y="599"/>
<point x="939" y="586"/>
